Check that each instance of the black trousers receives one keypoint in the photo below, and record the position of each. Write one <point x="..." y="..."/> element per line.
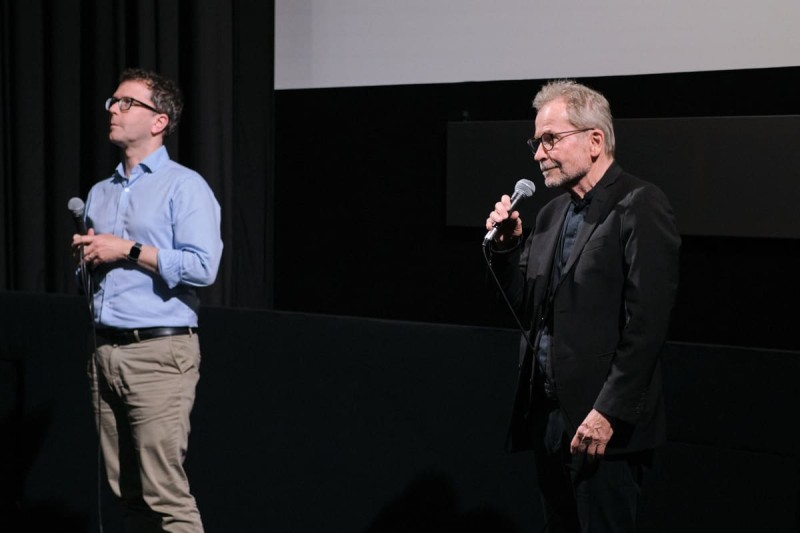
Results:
<point x="579" y="493"/>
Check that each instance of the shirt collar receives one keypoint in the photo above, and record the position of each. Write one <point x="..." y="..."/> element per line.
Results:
<point x="148" y="165"/>
<point x="579" y="204"/>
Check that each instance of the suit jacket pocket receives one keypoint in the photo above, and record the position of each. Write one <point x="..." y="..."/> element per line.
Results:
<point x="596" y="243"/>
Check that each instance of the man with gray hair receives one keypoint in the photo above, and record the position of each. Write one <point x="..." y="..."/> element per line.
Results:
<point x="594" y="284"/>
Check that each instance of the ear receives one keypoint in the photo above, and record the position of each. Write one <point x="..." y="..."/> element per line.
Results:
<point x="597" y="142"/>
<point x="159" y="124"/>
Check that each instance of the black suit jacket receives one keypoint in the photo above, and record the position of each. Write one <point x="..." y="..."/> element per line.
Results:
<point x="610" y="309"/>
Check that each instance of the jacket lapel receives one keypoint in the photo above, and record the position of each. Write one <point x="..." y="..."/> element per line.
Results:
<point x="552" y="236"/>
<point x="597" y="211"/>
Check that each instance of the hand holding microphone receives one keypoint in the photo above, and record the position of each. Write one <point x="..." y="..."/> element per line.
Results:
<point x="499" y="229"/>
<point x="76" y="208"/>
<point x="95" y="249"/>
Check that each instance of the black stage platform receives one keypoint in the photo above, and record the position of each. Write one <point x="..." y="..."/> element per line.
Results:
<point x="311" y="423"/>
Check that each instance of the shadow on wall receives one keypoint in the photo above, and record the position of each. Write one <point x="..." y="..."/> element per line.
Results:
<point x="430" y="504"/>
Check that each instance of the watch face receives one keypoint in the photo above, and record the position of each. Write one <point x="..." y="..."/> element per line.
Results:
<point x="133" y="255"/>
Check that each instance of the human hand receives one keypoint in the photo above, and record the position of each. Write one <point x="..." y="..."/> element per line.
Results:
<point x="102" y="248"/>
<point x="592" y="436"/>
<point x="509" y="224"/>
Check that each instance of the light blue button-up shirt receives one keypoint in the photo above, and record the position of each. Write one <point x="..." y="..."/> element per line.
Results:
<point x="171" y="207"/>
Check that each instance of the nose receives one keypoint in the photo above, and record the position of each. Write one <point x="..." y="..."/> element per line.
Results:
<point x="111" y="109"/>
<point x="541" y="154"/>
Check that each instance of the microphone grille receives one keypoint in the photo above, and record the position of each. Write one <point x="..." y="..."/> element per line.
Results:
<point x="525" y="188"/>
<point x="76" y="206"/>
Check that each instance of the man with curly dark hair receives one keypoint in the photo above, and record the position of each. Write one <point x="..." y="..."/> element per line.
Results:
<point x="154" y="236"/>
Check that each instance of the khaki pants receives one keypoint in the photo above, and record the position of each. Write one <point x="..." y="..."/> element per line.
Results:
<point x="143" y="393"/>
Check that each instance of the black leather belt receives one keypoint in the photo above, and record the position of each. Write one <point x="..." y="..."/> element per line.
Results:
<point x="129" y="336"/>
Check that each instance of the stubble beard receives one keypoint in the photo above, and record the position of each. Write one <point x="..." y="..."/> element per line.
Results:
<point x="560" y="180"/>
<point x="557" y="178"/>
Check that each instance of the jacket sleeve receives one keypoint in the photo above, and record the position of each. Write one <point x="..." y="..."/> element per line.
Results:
<point x="651" y="243"/>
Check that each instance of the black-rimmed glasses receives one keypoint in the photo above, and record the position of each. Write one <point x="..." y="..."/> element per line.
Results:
<point x="126" y="102"/>
<point x="549" y="140"/>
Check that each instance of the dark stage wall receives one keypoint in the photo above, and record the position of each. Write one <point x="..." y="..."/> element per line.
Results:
<point x="309" y="423"/>
<point x="361" y="200"/>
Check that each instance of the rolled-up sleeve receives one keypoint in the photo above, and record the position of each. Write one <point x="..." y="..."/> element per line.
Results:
<point x="197" y="244"/>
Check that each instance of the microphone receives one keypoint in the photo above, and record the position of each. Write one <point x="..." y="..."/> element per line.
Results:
<point x="76" y="207"/>
<point x="523" y="189"/>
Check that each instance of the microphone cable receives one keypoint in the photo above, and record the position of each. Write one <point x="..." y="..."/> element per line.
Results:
<point x="487" y="257"/>
<point x="87" y="282"/>
<point x="522" y="330"/>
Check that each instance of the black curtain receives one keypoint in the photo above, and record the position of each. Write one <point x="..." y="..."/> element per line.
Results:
<point x="60" y="59"/>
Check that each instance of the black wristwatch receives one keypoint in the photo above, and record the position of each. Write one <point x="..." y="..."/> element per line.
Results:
<point x="133" y="255"/>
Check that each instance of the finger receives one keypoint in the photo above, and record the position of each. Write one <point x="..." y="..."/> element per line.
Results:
<point x="591" y="449"/>
<point x="601" y="449"/>
<point x="575" y="445"/>
<point x="497" y="220"/>
<point x="496" y="217"/>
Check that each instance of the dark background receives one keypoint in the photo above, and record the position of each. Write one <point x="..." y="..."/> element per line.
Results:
<point x="61" y="59"/>
<point x="361" y="218"/>
<point x="690" y="159"/>
<point x="335" y="200"/>
<point x="309" y="423"/>
<point x="311" y="412"/>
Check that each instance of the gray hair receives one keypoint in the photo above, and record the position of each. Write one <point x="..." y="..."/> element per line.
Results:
<point x="586" y="108"/>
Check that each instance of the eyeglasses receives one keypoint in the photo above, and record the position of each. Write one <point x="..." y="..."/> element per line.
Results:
<point x="549" y="140"/>
<point x="126" y="102"/>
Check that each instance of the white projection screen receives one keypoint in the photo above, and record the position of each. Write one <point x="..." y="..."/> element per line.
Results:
<point x="350" y="43"/>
